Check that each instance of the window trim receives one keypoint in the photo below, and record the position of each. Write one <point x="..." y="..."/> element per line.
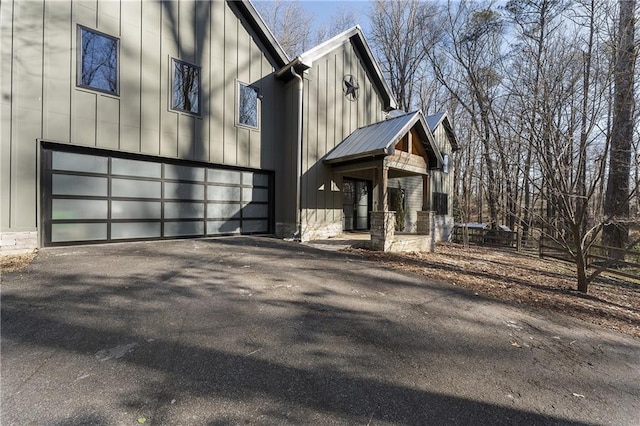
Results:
<point x="240" y="84"/>
<point x="79" y="60"/>
<point x="172" y="62"/>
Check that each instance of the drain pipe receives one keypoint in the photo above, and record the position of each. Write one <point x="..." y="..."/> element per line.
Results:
<point x="297" y="235"/>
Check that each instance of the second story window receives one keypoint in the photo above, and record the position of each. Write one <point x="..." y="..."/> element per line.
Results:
<point x="445" y="163"/>
<point x="98" y="61"/>
<point x="248" y="97"/>
<point x="185" y="87"/>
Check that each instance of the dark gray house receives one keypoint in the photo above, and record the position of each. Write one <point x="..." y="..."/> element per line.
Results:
<point x="134" y="120"/>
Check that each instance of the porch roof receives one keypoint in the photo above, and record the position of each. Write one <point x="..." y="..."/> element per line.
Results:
<point x="380" y="139"/>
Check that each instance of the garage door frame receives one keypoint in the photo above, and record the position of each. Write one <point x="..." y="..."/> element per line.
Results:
<point x="264" y="178"/>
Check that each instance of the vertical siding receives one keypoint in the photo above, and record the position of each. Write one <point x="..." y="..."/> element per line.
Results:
<point x="131" y="87"/>
<point x="25" y="91"/>
<point x="6" y="83"/>
<point x="39" y="44"/>
<point x="443" y="182"/>
<point x="329" y="118"/>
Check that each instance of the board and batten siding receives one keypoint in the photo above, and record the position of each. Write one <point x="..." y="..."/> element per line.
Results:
<point x="328" y="119"/>
<point x="440" y="181"/>
<point x="40" y="99"/>
<point x="443" y="182"/>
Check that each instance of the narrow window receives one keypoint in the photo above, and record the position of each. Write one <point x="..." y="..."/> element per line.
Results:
<point x="98" y="61"/>
<point x="248" y="105"/>
<point x="185" y="93"/>
<point x="445" y="163"/>
<point x="441" y="203"/>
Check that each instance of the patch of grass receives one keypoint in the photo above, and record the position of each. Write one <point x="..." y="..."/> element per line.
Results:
<point x="15" y="262"/>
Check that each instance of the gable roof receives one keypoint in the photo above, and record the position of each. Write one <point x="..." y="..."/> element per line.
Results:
<point x="380" y="139"/>
<point x="442" y="118"/>
<point x="356" y="37"/>
<point x="248" y="12"/>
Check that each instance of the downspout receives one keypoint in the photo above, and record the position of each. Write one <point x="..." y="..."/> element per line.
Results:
<point x="297" y="235"/>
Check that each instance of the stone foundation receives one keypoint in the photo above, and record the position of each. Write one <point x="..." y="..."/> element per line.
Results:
<point x="18" y="242"/>
<point x="320" y="230"/>
<point x="382" y="230"/>
<point x="411" y="243"/>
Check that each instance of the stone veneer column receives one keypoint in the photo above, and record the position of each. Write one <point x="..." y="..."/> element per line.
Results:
<point x="424" y="222"/>
<point x="382" y="230"/>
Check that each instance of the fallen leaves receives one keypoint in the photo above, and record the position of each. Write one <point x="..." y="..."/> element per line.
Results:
<point x="524" y="279"/>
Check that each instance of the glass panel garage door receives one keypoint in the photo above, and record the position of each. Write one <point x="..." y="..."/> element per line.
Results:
<point x="99" y="198"/>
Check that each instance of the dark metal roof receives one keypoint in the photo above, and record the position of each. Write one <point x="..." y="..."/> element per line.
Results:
<point x="380" y="139"/>
<point x="434" y="120"/>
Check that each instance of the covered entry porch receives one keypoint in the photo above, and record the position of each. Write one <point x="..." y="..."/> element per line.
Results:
<point x="392" y="159"/>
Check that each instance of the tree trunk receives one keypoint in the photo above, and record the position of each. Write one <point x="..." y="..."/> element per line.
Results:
<point x="616" y="205"/>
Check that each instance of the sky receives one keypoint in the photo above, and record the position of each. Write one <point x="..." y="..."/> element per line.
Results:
<point x="324" y="9"/>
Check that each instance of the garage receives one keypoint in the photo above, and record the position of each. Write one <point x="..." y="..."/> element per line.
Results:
<point x="91" y="196"/>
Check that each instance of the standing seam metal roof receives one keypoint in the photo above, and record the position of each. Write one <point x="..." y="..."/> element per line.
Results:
<point x="375" y="139"/>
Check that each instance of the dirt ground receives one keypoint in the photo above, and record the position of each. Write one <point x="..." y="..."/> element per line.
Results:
<point x="525" y="279"/>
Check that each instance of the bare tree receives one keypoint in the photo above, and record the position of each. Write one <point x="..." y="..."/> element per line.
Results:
<point x="342" y="19"/>
<point x="466" y="63"/>
<point x="291" y="24"/>
<point x="400" y="32"/>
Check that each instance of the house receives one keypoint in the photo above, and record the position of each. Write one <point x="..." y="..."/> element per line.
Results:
<point x="136" y="120"/>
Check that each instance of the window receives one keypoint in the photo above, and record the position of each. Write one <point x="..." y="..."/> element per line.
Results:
<point x="445" y="163"/>
<point x="185" y="92"/>
<point x="441" y="203"/>
<point x="98" y="61"/>
<point x="248" y="105"/>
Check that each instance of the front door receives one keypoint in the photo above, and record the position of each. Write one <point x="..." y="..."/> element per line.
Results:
<point x="356" y="204"/>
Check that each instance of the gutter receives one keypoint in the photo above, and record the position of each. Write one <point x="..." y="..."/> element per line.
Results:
<point x="297" y="235"/>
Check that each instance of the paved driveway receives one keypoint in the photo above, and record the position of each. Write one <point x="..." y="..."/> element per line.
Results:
<point x="261" y="331"/>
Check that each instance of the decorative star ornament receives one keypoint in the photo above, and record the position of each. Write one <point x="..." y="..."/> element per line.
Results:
<point x="350" y="87"/>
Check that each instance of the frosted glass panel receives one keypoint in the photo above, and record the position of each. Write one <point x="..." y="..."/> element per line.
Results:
<point x="120" y="166"/>
<point x="135" y="230"/>
<point x="79" y="162"/>
<point x="175" y="229"/>
<point x="184" y="191"/>
<point x="223" y="193"/>
<point x="255" y="210"/>
<point x="135" y="188"/>
<point x="78" y="185"/>
<point x="223" y="211"/>
<point x="223" y="176"/>
<point x="255" y="194"/>
<point x="135" y="210"/>
<point x="184" y="210"/>
<point x="61" y="232"/>
<point x="255" y="226"/>
<point x="79" y="209"/>
<point x="172" y="171"/>
<point x="223" y="227"/>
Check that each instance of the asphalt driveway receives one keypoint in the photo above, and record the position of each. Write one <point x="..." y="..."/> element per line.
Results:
<point x="261" y="331"/>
